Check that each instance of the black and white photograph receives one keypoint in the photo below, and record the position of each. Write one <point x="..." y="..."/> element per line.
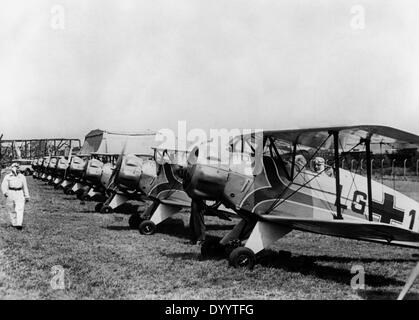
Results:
<point x="209" y="155"/>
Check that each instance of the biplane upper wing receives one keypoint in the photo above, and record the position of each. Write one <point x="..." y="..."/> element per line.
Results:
<point x="347" y="229"/>
<point x="313" y="137"/>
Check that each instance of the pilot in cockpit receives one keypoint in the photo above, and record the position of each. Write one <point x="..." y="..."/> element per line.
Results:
<point x="300" y="161"/>
<point x="320" y="167"/>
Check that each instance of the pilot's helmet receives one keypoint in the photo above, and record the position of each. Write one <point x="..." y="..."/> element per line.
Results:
<point x="319" y="164"/>
<point x="300" y="160"/>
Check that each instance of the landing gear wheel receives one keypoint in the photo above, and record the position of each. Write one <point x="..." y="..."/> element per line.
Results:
<point x="27" y="172"/>
<point x="231" y="245"/>
<point x="242" y="257"/>
<point x="147" y="227"/>
<point x="82" y="196"/>
<point x="134" y="221"/>
<point x="106" y="209"/>
<point x="98" y="206"/>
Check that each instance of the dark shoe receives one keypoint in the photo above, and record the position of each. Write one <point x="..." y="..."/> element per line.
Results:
<point x="18" y="227"/>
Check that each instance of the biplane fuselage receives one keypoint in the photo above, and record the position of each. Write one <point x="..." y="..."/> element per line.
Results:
<point x="299" y="199"/>
<point x="157" y="181"/>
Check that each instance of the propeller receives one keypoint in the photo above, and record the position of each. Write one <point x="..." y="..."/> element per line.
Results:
<point x="69" y="161"/>
<point x="117" y="166"/>
<point x="409" y="282"/>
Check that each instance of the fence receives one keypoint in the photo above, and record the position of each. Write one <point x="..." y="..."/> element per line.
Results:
<point x="383" y="168"/>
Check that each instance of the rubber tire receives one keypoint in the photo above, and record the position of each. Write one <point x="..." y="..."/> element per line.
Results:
<point x="212" y="248"/>
<point x="70" y="192"/>
<point x="134" y="221"/>
<point x="147" y="227"/>
<point x="27" y="172"/>
<point x="242" y="257"/>
<point x="98" y="206"/>
<point x="106" y="209"/>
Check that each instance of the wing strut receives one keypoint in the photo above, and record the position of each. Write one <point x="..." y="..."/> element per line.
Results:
<point x="409" y="282"/>
<point x="337" y="176"/>
<point x="367" y="142"/>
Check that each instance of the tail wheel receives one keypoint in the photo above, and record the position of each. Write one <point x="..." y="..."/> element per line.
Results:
<point x="106" y="209"/>
<point x="212" y="248"/>
<point x="242" y="257"/>
<point x="27" y="172"/>
<point x="147" y="227"/>
<point x="134" y="221"/>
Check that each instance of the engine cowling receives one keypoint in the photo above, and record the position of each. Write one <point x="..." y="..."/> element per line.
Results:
<point x="77" y="167"/>
<point x="130" y="172"/>
<point x="94" y="171"/>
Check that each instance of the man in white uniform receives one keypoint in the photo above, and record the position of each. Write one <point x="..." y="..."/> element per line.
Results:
<point x="15" y="189"/>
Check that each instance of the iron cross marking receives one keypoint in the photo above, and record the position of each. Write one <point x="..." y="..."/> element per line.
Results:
<point x="386" y="210"/>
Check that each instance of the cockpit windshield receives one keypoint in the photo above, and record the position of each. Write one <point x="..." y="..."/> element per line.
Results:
<point x="178" y="157"/>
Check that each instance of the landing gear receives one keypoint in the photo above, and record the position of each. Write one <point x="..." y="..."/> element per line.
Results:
<point x="242" y="257"/>
<point x="106" y="209"/>
<point x="134" y="221"/>
<point x="83" y="197"/>
<point x="212" y="248"/>
<point x="147" y="227"/>
<point x="98" y="206"/>
<point x="69" y="191"/>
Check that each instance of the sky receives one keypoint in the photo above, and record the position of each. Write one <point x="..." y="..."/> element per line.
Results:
<point x="68" y="67"/>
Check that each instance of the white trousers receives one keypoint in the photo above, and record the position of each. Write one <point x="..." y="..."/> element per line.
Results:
<point x="15" y="204"/>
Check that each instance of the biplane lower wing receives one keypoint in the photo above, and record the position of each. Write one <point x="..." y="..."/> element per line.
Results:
<point x="369" y="231"/>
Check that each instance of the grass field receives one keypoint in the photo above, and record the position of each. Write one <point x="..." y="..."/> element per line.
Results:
<point x="104" y="259"/>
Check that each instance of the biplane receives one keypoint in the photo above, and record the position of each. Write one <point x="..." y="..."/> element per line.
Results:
<point x="74" y="174"/>
<point x="96" y="176"/>
<point x="43" y="170"/>
<point x="121" y="185"/>
<point x="273" y="194"/>
<point x="154" y="180"/>
<point x="38" y="168"/>
<point x="60" y="171"/>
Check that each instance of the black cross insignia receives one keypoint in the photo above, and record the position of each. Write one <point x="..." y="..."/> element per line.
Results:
<point x="386" y="210"/>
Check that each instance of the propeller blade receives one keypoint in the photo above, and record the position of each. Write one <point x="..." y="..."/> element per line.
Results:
<point x="69" y="161"/>
<point x="117" y="166"/>
<point x="409" y="282"/>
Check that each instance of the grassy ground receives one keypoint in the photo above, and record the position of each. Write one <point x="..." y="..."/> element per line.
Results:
<point x="104" y="259"/>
